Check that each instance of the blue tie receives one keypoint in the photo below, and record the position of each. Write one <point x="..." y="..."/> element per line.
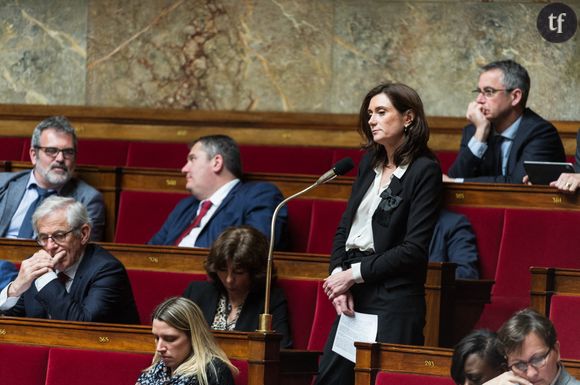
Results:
<point x="26" y="226"/>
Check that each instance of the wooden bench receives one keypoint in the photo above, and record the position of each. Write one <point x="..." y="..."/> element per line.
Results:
<point x="453" y="305"/>
<point x="261" y="128"/>
<point x="267" y="364"/>
<point x="111" y="181"/>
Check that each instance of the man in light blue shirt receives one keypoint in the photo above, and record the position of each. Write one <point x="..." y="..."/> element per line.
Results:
<point x="503" y="133"/>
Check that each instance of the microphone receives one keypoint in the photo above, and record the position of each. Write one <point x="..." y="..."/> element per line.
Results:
<point x="340" y="168"/>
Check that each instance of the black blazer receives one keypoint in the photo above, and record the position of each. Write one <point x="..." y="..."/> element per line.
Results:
<point x="536" y="139"/>
<point x="100" y="292"/>
<point x="206" y="295"/>
<point x="402" y="241"/>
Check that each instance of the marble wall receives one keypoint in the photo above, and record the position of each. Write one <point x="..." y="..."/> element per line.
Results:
<point x="275" y="55"/>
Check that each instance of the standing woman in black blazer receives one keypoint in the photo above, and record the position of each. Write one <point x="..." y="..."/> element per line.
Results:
<point x="379" y="259"/>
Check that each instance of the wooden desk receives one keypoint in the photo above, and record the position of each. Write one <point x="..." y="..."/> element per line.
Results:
<point x="268" y="365"/>
<point x="454" y="194"/>
<point x="453" y="306"/>
<point x="160" y="180"/>
<point x="508" y="196"/>
<point x="373" y="357"/>
<point x="246" y="127"/>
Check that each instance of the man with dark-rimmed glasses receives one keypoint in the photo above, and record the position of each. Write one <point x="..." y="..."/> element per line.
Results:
<point x="69" y="278"/>
<point x="503" y="133"/>
<point x="52" y="152"/>
<point x="532" y="350"/>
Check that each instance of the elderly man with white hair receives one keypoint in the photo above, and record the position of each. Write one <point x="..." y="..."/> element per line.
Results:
<point x="69" y="278"/>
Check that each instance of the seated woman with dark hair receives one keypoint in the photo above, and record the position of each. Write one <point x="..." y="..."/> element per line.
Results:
<point x="477" y="359"/>
<point x="234" y="297"/>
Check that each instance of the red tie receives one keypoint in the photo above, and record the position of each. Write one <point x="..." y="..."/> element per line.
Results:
<point x="205" y="206"/>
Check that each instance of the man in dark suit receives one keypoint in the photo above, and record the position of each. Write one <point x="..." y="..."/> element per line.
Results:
<point x="454" y="241"/>
<point x="69" y="279"/>
<point x="53" y="154"/>
<point x="219" y="198"/>
<point x="568" y="182"/>
<point x="503" y="133"/>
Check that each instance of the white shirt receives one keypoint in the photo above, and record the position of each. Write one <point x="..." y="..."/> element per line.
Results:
<point x="7" y="303"/>
<point x="216" y="200"/>
<point x="360" y="235"/>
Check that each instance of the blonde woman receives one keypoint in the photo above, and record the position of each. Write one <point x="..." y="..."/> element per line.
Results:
<point x="185" y="353"/>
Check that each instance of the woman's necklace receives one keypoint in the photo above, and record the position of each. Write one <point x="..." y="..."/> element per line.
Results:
<point x="230" y="323"/>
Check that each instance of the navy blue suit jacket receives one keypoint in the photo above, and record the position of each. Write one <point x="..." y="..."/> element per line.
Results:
<point x="454" y="241"/>
<point x="536" y="139"/>
<point x="206" y="295"/>
<point x="8" y="273"/>
<point x="250" y="204"/>
<point x="100" y="292"/>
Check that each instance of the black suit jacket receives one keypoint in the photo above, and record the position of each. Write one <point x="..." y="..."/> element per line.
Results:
<point x="100" y="292"/>
<point x="206" y="295"/>
<point x="401" y="245"/>
<point x="577" y="164"/>
<point x="536" y="139"/>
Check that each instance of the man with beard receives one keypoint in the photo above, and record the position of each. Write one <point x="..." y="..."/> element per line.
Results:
<point x="53" y="154"/>
<point x="503" y="133"/>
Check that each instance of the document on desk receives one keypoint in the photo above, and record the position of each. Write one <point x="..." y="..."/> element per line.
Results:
<point x="361" y="328"/>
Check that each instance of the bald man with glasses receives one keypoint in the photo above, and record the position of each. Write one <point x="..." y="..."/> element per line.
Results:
<point x="53" y="155"/>
<point x="69" y="278"/>
<point x="530" y="344"/>
<point x="503" y="133"/>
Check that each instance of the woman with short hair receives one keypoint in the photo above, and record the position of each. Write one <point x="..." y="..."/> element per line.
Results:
<point x="233" y="299"/>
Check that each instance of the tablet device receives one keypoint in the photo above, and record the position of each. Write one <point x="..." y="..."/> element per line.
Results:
<point x="546" y="172"/>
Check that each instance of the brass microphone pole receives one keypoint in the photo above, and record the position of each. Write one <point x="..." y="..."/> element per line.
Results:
<point x="342" y="167"/>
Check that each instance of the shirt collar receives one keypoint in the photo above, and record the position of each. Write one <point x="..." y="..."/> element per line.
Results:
<point x="221" y="193"/>
<point x="33" y="182"/>
<point x="400" y="171"/>
<point x="511" y="131"/>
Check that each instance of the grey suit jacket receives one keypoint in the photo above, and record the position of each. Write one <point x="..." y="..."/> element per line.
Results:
<point x="13" y="186"/>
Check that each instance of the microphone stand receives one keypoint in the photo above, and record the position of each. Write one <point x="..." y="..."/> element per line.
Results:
<point x="265" y="320"/>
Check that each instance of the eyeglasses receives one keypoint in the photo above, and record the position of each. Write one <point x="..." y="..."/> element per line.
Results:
<point x="58" y="237"/>
<point x="490" y="92"/>
<point x="67" y="153"/>
<point x="537" y="362"/>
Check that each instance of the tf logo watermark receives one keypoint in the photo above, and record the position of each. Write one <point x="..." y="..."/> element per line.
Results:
<point x="557" y="22"/>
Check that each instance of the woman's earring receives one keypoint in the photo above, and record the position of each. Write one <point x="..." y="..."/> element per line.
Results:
<point x="406" y="129"/>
